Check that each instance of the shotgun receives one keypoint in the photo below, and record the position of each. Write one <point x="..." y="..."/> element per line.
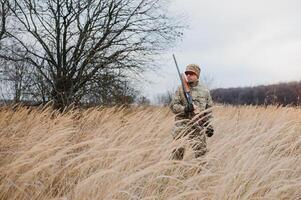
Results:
<point x="185" y="87"/>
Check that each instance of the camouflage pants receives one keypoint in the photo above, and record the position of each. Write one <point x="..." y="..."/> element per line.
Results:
<point x="195" y="136"/>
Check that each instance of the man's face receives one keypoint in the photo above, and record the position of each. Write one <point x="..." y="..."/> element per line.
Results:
<point x="191" y="77"/>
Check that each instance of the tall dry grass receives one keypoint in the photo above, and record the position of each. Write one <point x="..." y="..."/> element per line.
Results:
<point x="120" y="153"/>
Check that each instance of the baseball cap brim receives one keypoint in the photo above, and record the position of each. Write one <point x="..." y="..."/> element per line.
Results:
<point x="190" y="71"/>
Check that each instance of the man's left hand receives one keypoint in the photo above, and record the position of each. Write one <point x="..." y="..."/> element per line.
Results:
<point x="209" y="131"/>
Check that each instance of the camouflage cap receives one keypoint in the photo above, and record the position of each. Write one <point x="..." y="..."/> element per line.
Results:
<point x="193" y="68"/>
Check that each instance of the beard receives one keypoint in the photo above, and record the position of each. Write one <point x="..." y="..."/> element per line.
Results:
<point x="191" y="81"/>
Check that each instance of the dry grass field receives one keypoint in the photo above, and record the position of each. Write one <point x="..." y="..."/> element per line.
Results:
<point x="122" y="153"/>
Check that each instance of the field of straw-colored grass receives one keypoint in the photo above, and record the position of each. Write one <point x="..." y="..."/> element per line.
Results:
<point x="122" y="153"/>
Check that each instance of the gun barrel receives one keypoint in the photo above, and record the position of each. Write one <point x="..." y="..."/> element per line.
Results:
<point x="174" y="58"/>
<point x="185" y="86"/>
<point x="179" y="73"/>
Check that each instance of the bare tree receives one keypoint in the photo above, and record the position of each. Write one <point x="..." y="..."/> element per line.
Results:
<point x="70" y="42"/>
<point x="16" y="78"/>
<point x="110" y="89"/>
<point x="3" y="17"/>
<point x="11" y="79"/>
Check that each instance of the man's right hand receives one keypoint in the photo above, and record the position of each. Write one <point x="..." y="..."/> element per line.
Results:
<point x="189" y="108"/>
<point x="196" y="109"/>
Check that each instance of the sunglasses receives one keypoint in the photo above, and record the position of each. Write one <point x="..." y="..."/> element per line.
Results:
<point x="190" y="73"/>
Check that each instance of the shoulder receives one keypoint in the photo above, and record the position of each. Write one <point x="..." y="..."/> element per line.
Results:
<point x="203" y="89"/>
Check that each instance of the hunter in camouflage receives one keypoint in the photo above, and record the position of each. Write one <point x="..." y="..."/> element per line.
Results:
<point x="193" y="124"/>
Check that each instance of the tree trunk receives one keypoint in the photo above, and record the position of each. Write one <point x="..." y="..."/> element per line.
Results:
<point x="63" y="93"/>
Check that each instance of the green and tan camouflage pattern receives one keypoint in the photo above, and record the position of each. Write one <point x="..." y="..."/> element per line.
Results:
<point x="183" y="125"/>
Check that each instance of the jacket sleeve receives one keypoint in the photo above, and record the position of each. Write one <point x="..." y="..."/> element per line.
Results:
<point x="177" y="105"/>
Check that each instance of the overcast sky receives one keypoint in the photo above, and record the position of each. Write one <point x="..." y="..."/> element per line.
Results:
<point x="236" y="43"/>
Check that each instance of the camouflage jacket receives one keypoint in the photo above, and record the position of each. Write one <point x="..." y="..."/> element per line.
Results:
<point x="200" y="96"/>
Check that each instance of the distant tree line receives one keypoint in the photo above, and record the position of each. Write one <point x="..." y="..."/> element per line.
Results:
<point x="276" y="94"/>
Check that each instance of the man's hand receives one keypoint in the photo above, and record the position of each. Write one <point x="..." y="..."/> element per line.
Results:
<point x="189" y="108"/>
<point x="209" y="131"/>
<point x="196" y="109"/>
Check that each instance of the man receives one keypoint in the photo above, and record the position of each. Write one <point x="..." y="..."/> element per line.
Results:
<point x="192" y="122"/>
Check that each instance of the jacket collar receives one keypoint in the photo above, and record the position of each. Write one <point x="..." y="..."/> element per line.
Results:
<point x="193" y="84"/>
